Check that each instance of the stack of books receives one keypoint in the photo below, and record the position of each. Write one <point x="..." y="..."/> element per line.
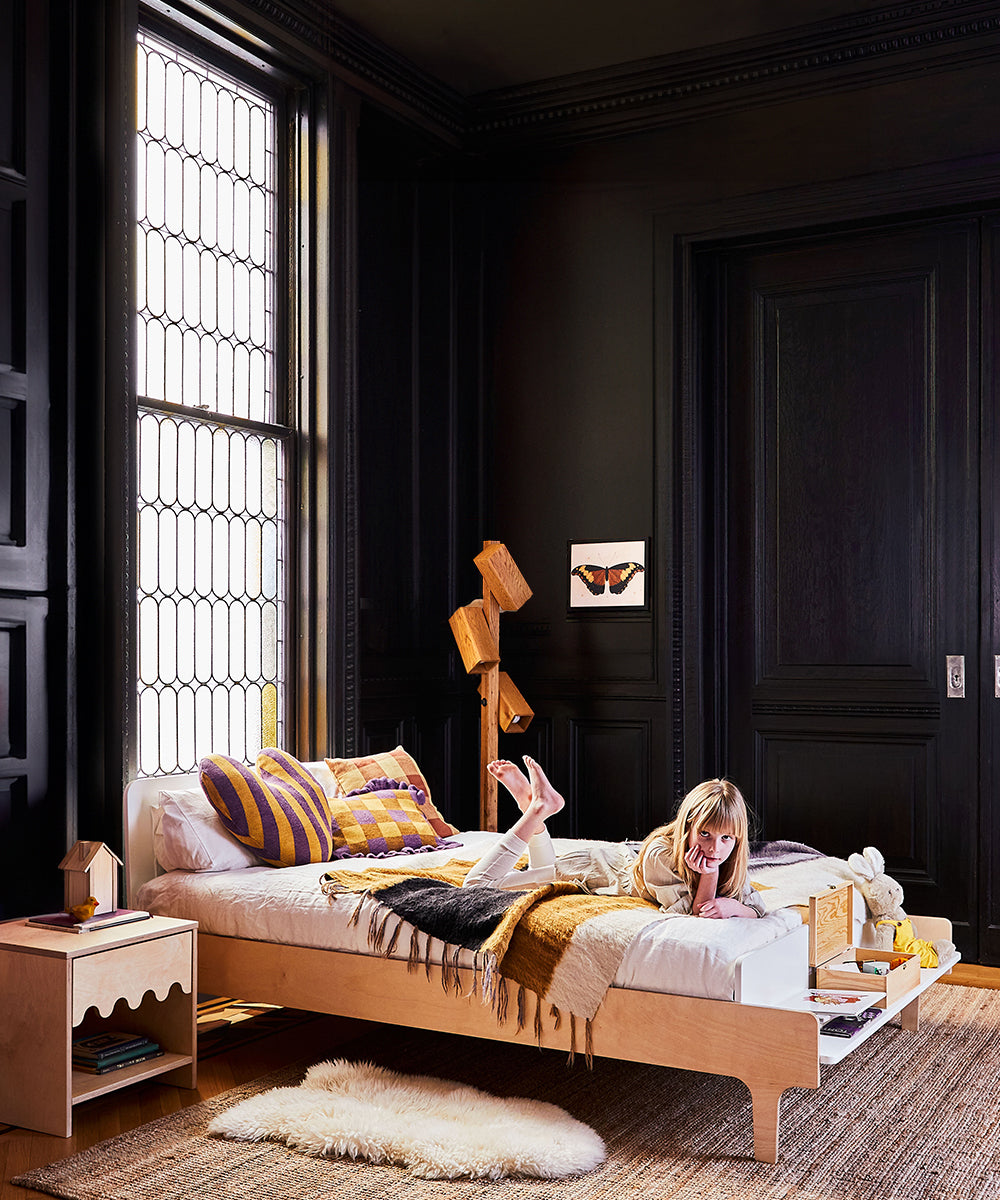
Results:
<point x="101" y="920"/>
<point x="103" y="1052"/>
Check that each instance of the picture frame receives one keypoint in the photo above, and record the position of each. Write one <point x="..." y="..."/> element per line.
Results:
<point x="608" y="578"/>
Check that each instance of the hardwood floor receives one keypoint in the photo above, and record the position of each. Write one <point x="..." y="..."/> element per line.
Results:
<point x="93" y="1121"/>
<point x="107" y="1116"/>
<point x="972" y="975"/>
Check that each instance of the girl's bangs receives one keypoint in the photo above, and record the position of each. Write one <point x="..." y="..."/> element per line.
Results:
<point x="716" y="816"/>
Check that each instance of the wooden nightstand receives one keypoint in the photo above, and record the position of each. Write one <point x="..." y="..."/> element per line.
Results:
<point x="55" y="986"/>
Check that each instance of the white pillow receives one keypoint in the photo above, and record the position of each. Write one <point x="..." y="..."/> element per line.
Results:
<point x="323" y="776"/>
<point x="188" y="835"/>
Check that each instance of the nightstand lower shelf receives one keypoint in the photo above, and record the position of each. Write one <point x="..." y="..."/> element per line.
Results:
<point x="86" y="1086"/>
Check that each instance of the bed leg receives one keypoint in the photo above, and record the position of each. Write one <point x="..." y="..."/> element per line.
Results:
<point x="766" y="1102"/>
<point x="909" y="1017"/>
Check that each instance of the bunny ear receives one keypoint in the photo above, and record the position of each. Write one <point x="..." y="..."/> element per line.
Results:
<point x="861" y="866"/>
<point x="875" y="858"/>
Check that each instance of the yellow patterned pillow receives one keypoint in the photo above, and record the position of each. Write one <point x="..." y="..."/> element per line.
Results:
<point x="279" y="810"/>
<point x="381" y="822"/>
<point x="353" y="773"/>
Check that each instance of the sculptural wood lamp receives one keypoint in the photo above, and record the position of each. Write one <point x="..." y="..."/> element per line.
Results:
<point x="476" y="629"/>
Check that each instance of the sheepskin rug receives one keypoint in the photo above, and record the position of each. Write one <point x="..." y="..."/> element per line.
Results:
<point x="436" y="1129"/>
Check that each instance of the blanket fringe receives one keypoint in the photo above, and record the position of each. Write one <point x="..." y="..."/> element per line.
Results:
<point x="376" y="934"/>
<point x="390" y="948"/>
<point x="487" y="982"/>
<point x="500" y="1008"/>
<point x="413" y="960"/>
<point x="456" y="971"/>
<point x="356" y="915"/>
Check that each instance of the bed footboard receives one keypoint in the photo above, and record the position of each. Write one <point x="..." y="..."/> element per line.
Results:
<point x="768" y="1049"/>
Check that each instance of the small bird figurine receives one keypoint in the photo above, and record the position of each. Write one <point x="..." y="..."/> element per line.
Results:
<point x="84" y="911"/>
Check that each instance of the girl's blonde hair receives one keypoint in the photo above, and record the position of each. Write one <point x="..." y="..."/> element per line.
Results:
<point x="718" y="806"/>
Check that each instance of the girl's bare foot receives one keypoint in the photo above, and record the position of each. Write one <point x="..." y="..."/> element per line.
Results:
<point x="545" y="800"/>
<point x="513" y="780"/>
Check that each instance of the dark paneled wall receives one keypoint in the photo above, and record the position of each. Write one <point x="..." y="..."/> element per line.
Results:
<point x="421" y="487"/>
<point x="579" y="452"/>
<point x="604" y="424"/>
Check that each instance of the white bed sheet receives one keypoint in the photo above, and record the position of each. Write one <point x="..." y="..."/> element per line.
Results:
<point x="677" y="954"/>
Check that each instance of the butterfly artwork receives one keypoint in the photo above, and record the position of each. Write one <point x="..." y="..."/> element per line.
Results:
<point x="595" y="585"/>
<point x="616" y="578"/>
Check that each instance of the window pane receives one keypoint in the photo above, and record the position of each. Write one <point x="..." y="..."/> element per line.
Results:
<point x="210" y="586"/>
<point x="206" y="203"/>
<point x="199" y="591"/>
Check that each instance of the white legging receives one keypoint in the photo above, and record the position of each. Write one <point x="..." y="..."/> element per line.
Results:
<point x="496" y="867"/>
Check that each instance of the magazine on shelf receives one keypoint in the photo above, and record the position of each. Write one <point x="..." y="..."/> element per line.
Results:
<point x="63" y="921"/>
<point x="847" y="1026"/>
<point x="828" y="1002"/>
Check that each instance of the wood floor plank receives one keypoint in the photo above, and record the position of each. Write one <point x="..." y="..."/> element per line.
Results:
<point x="973" y="975"/>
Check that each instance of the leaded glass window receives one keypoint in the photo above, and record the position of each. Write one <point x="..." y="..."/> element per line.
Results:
<point x="212" y="451"/>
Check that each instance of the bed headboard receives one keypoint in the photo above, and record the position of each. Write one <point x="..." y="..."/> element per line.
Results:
<point x="140" y="796"/>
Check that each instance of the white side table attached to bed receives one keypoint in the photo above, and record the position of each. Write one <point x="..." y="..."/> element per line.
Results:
<point x="139" y="977"/>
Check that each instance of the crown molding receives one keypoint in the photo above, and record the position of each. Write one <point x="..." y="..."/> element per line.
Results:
<point x="369" y="65"/>
<point x="874" y="47"/>
<point x="867" y="48"/>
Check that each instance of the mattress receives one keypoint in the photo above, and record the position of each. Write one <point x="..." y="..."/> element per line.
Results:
<point x="676" y="954"/>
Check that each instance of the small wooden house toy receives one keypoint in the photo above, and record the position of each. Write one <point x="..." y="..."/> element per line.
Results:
<point x="91" y="869"/>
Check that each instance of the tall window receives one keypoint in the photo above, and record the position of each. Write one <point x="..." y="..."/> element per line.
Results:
<point x="212" y="451"/>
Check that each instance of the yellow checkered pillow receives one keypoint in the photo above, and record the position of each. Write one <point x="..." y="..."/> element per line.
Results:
<point x="380" y="823"/>
<point x="353" y="773"/>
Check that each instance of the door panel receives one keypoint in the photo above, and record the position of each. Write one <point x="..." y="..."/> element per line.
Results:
<point x="850" y="449"/>
<point x="989" y="685"/>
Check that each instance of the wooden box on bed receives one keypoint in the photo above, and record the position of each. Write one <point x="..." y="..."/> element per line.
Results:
<point x="830" y="950"/>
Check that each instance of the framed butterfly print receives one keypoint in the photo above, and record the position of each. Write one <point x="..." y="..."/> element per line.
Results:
<point x="608" y="577"/>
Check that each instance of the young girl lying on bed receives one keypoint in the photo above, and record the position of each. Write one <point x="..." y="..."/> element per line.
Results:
<point x="696" y="864"/>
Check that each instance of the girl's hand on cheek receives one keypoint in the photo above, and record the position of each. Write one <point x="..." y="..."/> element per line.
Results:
<point x="695" y="859"/>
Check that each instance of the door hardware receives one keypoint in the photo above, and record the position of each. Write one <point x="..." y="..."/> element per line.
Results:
<point x="956" y="676"/>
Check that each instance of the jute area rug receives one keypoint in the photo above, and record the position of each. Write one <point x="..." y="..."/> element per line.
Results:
<point x="908" y="1116"/>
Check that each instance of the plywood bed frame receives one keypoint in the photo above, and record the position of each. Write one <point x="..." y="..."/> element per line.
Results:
<point x="768" y="1047"/>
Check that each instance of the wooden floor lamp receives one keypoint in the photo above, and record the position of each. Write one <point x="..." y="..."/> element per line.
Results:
<point x="476" y="629"/>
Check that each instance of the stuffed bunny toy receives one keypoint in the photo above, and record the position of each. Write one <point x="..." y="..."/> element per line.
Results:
<point x="889" y="927"/>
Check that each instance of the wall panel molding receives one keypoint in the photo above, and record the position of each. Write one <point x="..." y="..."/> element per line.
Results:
<point x="611" y="771"/>
<point x="24" y="819"/>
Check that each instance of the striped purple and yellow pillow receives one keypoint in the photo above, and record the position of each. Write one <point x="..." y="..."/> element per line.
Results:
<point x="278" y="810"/>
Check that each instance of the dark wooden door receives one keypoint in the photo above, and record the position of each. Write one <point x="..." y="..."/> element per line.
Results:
<point x="33" y="838"/>
<point x="848" y="450"/>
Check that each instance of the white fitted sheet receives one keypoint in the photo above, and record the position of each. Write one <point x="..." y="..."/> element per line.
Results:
<point x="681" y="955"/>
